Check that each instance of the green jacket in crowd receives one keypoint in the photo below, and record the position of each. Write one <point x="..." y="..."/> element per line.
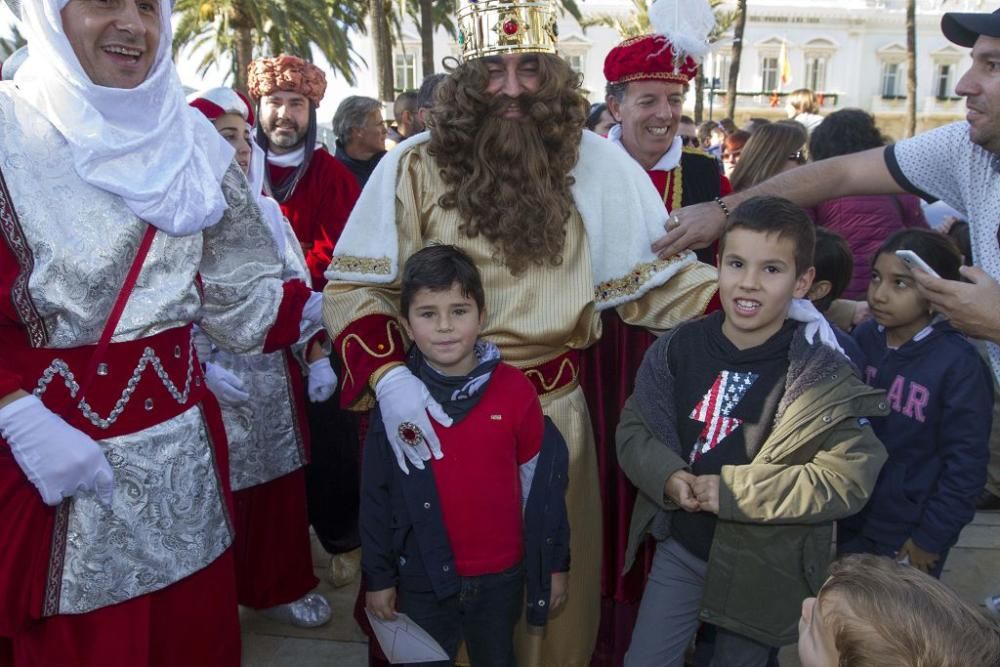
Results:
<point x="773" y="541"/>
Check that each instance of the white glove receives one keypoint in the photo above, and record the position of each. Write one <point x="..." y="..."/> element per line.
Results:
<point x="405" y="403"/>
<point x="802" y="310"/>
<point x="312" y="313"/>
<point x="322" y="380"/>
<point x="202" y="343"/>
<point x="225" y="385"/>
<point x="58" y="459"/>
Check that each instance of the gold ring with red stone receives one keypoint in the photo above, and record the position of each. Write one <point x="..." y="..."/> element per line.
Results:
<point x="410" y="434"/>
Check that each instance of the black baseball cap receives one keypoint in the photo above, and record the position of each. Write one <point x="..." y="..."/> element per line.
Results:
<point x="965" y="29"/>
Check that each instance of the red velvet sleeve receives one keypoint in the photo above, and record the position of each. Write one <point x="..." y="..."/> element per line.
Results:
<point x="340" y="192"/>
<point x="365" y="346"/>
<point x="285" y="330"/>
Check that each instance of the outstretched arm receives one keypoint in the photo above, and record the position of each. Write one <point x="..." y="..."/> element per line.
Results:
<point x="864" y="173"/>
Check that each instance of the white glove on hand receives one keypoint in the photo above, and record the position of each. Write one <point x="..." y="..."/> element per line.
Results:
<point x="405" y="403"/>
<point x="322" y="380"/>
<point x="202" y="343"/>
<point x="312" y="313"/>
<point x="58" y="459"/>
<point x="802" y="310"/>
<point x="227" y="387"/>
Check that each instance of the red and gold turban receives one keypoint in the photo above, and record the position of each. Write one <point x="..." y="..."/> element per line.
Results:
<point x="648" y="57"/>
<point x="286" y="73"/>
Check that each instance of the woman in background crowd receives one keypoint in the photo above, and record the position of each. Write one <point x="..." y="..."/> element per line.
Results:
<point x="864" y="221"/>
<point x="770" y="150"/>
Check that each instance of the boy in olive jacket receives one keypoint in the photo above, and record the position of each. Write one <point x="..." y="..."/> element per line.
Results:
<point x="747" y="438"/>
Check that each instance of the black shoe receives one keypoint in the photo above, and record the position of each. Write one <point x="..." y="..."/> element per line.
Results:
<point x="988" y="502"/>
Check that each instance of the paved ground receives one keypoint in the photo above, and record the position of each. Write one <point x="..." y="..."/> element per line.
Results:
<point x="973" y="570"/>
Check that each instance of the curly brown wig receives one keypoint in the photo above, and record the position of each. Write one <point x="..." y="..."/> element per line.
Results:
<point x="510" y="178"/>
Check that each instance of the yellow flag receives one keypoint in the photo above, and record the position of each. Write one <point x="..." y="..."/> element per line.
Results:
<point x="785" y="64"/>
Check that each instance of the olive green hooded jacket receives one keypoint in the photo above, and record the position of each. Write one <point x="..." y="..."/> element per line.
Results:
<point x="774" y="536"/>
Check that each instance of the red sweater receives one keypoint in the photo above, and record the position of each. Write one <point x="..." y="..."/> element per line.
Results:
<point x="318" y="209"/>
<point x="478" y="481"/>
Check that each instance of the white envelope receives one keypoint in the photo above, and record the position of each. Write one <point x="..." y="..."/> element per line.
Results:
<point x="403" y="641"/>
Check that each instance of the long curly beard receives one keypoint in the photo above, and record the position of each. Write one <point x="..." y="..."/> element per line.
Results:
<point x="510" y="178"/>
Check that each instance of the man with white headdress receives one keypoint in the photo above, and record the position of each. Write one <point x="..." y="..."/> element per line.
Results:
<point x="123" y="218"/>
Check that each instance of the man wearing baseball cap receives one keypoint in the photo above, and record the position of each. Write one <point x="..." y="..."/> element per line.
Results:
<point x="958" y="163"/>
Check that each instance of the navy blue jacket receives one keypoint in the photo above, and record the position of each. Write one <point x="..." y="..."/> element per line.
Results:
<point x="403" y="536"/>
<point x="940" y="394"/>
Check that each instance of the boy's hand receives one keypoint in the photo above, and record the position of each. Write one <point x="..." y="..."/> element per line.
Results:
<point x="560" y="592"/>
<point x="678" y="489"/>
<point x="706" y="490"/>
<point x="382" y="604"/>
<point x="920" y="559"/>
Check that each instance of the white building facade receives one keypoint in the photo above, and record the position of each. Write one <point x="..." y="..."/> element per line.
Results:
<point x="852" y="52"/>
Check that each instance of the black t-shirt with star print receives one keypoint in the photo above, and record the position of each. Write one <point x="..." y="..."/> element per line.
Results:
<point x="721" y="394"/>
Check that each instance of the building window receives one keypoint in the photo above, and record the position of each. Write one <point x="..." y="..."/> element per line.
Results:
<point x="943" y="81"/>
<point x="816" y="72"/>
<point x="891" y="76"/>
<point x="722" y="62"/>
<point x="574" y="60"/>
<point x="406" y="71"/>
<point x="769" y="73"/>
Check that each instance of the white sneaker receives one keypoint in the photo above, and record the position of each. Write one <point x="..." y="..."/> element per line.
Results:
<point x="310" y="611"/>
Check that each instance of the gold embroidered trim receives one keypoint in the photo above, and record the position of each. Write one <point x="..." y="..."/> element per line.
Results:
<point x="549" y="386"/>
<point x="617" y="288"/>
<point x="350" y="264"/>
<point x="389" y="326"/>
<point x="677" y="191"/>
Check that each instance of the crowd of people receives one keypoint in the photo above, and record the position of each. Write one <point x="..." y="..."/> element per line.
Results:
<point x="566" y="384"/>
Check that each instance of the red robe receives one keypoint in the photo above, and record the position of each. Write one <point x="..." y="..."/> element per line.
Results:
<point x="318" y="208"/>
<point x="607" y="376"/>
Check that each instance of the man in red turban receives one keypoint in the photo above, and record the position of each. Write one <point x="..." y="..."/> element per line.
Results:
<point x="316" y="193"/>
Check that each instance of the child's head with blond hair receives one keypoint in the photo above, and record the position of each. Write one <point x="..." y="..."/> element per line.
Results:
<point x="875" y="612"/>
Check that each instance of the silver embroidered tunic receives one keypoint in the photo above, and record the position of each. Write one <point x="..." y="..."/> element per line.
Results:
<point x="74" y="245"/>
<point x="265" y="436"/>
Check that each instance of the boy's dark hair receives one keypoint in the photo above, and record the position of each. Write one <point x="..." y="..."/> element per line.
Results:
<point x="959" y="233"/>
<point x="938" y="250"/>
<point x="437" y="268"/>
<point x="833" y="262"/>
<point x="776" y="215"/>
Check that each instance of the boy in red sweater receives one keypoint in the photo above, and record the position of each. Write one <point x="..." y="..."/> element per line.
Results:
<point x="451" y="544"/>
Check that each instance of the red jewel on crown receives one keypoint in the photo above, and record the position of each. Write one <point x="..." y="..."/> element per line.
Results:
<point x="510" y="27"/>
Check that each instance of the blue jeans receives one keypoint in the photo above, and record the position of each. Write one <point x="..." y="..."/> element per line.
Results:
<point x="483" y="613"/>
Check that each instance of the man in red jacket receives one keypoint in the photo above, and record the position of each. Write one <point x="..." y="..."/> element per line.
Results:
<point x="316" y="193"/>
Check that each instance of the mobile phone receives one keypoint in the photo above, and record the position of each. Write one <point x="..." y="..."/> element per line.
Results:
<point x="912" y="260"/>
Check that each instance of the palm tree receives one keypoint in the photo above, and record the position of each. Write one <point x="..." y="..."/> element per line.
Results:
<point x="382" y="45"/>
<point x="232" y="30"/>
<point x="428" y="15"/>
<point x="9" y="46"/>
<point x="734" y="66"/>
<point x="911" y="68"/>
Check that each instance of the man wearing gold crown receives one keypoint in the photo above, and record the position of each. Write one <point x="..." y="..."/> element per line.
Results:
<point x="559" y="222"/>
<point x="647" y="79"/>
<point x="124" y="217"/>
<point x="316" y="193"/>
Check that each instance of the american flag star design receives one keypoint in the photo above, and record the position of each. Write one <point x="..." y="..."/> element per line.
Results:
<point x="715" y="408"/>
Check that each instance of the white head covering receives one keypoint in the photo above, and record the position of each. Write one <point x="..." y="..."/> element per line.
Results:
<point x="213" y="103"/>
<point x="143" y="144"/>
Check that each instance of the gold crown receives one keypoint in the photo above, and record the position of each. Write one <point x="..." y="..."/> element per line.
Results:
<point x="496" y="27"/>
